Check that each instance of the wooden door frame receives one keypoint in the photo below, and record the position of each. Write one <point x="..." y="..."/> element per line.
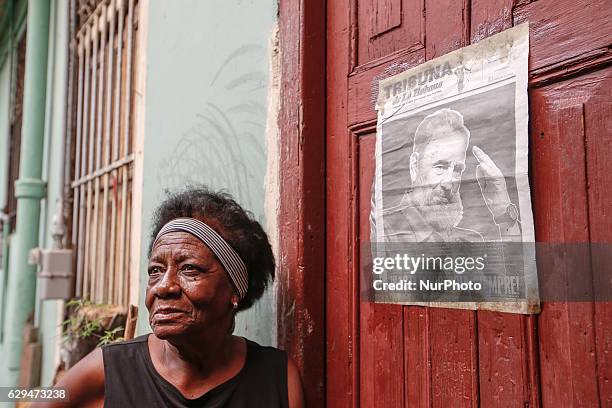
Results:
<point x="301" y="217"/>
<point x="342" y="214"/>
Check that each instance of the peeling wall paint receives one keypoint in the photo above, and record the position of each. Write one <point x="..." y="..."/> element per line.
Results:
<point x="272" y="183"/>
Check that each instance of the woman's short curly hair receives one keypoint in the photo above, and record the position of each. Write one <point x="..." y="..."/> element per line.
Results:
<point x="236" y="225"/>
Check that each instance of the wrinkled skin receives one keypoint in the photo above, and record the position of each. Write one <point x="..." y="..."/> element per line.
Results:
<point x="188" y="293"/>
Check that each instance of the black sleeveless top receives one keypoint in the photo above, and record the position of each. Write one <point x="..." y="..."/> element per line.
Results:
<point x="132" y="381"/>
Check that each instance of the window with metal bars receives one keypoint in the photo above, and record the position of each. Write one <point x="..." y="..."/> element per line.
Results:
<point x="105" y="49"/>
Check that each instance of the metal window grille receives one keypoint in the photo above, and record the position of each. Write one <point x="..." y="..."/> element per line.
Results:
<point x="105" y="46"/>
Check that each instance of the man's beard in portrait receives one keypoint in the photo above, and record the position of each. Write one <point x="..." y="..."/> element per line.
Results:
<point x="441" y="209"/>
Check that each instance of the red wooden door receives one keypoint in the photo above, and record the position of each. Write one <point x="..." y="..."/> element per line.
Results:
<point x="408" y="356"/>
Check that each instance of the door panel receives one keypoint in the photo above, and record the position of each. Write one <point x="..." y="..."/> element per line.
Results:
<point x="445" y="26"/>
<point x="409" y="356"/>
<point x="503" y="364"/>
<point x="386" y="26"/>
<point x="565" y="183"/>
<point x="381" y="349"/>
<point x="598" y="119"/>
<point x="417" y="357"/>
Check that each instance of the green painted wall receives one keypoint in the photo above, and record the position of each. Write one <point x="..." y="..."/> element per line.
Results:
<point x="205" y="115"/>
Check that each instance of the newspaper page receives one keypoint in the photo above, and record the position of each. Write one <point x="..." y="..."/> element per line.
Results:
<point x="451" y="221"/>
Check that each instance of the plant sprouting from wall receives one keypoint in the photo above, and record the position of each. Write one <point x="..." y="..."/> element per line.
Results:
<point x="88" y="321"/>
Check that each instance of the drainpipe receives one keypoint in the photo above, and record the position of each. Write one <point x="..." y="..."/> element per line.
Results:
<point x="29" y="189"/>
<point x="6" y="232"/>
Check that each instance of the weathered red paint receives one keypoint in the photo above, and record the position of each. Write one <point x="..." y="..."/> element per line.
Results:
<point x="301" y="262"/>
<point x="563" y="30"/>
<point x="342" y="368"/>
<point x="380" y="352"/>
<point x="453" y="333"/>
<point x="506" y="354"/>
<point x="393" y="356"/>
<point x="381" y="29"/>
<point x="570" y="366"/>
<point x="598" y="119"/>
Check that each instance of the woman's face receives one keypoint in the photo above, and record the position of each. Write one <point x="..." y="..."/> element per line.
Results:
<point x="188" y="290"/>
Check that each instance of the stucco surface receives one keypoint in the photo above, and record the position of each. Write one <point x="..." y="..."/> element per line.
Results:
<point x="205" y="115"/>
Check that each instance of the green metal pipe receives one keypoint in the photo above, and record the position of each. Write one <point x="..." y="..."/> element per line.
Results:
<point x="29" y="189"/>
<point x="6" y="232"/>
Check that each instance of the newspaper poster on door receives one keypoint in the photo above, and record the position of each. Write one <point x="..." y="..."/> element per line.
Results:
<point x="451" y="219"/>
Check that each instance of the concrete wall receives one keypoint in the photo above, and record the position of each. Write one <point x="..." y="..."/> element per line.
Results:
<point x="205" y="115"/>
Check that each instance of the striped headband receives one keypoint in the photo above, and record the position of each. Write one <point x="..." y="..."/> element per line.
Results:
<point x="231" y="261"/>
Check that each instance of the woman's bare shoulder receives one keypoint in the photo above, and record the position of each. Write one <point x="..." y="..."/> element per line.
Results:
<point x="84" y="383"/>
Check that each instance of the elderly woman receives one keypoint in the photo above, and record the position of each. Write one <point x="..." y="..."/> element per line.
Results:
<point x="209" y="259"/>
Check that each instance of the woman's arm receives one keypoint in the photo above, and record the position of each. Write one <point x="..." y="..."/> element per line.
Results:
<point x="294" y="385"/>
<point x="84" y="383"/>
